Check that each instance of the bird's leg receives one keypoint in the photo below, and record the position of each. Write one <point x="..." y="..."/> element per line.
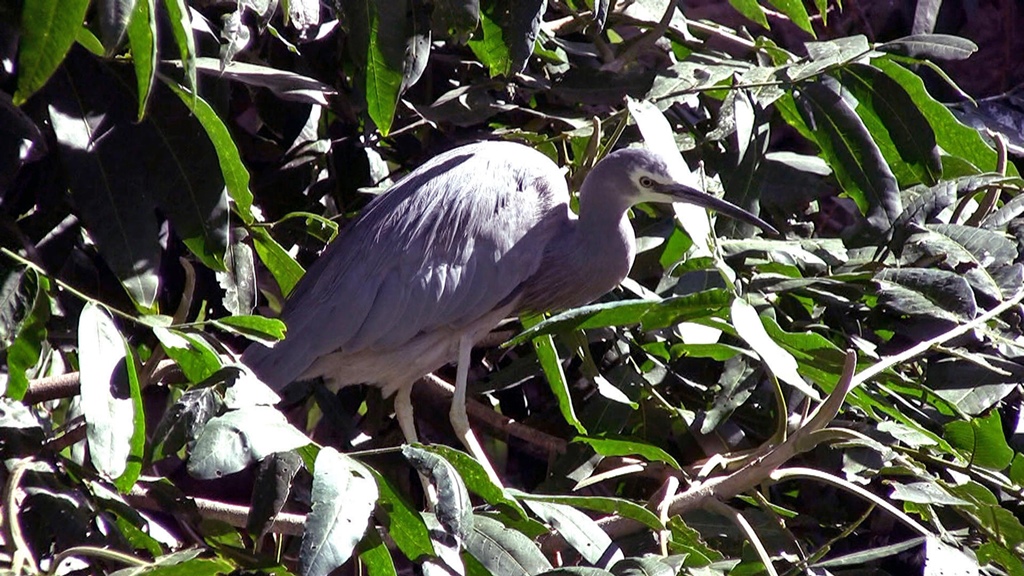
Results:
<point x="459" y="420"/>
<point x="403" y="413"/>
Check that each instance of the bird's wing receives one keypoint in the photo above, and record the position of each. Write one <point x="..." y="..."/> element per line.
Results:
<point x="449" y="243"/>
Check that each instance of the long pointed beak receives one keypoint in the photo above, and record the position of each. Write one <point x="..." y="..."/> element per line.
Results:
<point x="683" y="193"/>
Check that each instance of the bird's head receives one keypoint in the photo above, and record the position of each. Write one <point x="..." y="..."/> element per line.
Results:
<point x="649" y="177"/>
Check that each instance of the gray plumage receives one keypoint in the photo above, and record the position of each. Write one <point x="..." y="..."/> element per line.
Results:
<point x="475" y="235"/>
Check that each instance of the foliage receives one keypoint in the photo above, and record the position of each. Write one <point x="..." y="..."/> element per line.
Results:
<point x="169" y="169"/>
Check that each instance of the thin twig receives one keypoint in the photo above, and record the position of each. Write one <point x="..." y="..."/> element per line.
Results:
<point x="233" y="514"/>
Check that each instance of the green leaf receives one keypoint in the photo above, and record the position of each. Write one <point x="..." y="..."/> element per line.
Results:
<point x="374" y="555"/>
<point x="552" y="366"/>
<point x="651" y="314"/>
<point x="256" y="328"/>
<point x="142" y="36"/>
<point x="137" y="442"/>
<point x="795" y="11"/>
<point x="503" y="551"/>
<point x="906" y="129"/>
<point x="477" y="481"/>
<point x="343" y="498"/>
<point x="107" y="396"/>
<point x="752" y="10"/>
<point x="196" y="359"/>
<point x="181" y="28"/>
<point x="579" y="530"/>
<point x="939" y="46"/>
<point x="617" y="506"/>
<point x="231" y="442"/>
<point x="282" y="266"/>
<point x="982" y="441"/>
<point x="404" y="525"/>
<point x="375" y="25"/>
<point x="623" y="447"/>
<point x="48" y="29"/>
<point x="992" y="553"/>
<point x="491" y="49"/>
<point x="25" y="309"/>
<point x="952" y="136"/>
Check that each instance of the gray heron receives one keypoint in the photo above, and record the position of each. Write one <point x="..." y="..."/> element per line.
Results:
<point x="475" y="235"/>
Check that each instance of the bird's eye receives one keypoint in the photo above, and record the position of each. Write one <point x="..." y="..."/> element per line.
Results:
<point x="646" y="182"/>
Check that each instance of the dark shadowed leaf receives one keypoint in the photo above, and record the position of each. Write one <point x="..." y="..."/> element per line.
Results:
<point x="21" y="141"/>
<point x="854" y="156"/>
<point x="343" y="498"/>
<point x="940" y="46"/>
<point x="870" y="554"/>
<point x="184" y="420"/>
<point x="927" y="293"/>
<point x="114" y="16"/>
<point x="923" y="208"/>
<point x="116" y="194"/>
<point x="456" y="18"/>
<point x="503" y="551"/>
<point x="1007" y="212"/>
<point x="976" y="384"/>
<point x="646" y="566"/>
<point x="287" y="85"/>
<point x="48" y="29"/>
<point x="270" y="491"/>
<point x="742" y="183"/>
<point x="236" y="176"/>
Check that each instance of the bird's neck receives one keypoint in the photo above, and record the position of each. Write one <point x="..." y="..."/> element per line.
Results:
<point x="605" y="246"/>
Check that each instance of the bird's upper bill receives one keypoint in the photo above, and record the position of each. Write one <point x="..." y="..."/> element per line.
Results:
<point x="689" y="195"/>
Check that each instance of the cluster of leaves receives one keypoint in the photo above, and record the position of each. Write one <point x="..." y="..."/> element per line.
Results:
<point x="703" y="419"/>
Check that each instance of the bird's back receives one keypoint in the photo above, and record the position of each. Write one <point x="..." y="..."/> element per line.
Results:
<point x="446" y="246"/>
